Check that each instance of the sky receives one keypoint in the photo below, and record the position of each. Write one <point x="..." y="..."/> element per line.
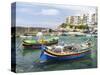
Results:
<point x="47" y="15"/>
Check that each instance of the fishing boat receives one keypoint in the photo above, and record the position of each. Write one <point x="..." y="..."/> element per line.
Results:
<point x="66" y="52"/>
<point x="24" y="37"/>
<point x="32" y="43"/>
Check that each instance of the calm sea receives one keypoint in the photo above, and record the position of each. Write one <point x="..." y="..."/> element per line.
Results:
<point x="28" y="60"/>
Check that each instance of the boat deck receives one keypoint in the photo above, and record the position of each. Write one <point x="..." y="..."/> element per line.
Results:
<point x="65" y="52"/>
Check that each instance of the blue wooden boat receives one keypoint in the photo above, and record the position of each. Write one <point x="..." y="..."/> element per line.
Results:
<point x="69" y="52"/>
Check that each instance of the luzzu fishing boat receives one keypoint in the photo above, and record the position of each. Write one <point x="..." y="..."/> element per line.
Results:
<point x="31" y="44"/>
<point x="34" y="44"/>
<point x="49" y="42"/>
<point x="65" y="52"/>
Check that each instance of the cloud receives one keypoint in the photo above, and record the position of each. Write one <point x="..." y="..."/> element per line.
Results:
<point x="30" y="11"/>
<point x="29" y="7"/>
<point x="24" y="10"/>
<point x="84" y="10"/>
<point x="79" y="9"/>
<point x="76" y="8"/>
<point x="49" y="12"/>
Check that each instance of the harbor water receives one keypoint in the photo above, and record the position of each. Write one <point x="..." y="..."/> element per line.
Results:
<point x="27" y="60"/>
